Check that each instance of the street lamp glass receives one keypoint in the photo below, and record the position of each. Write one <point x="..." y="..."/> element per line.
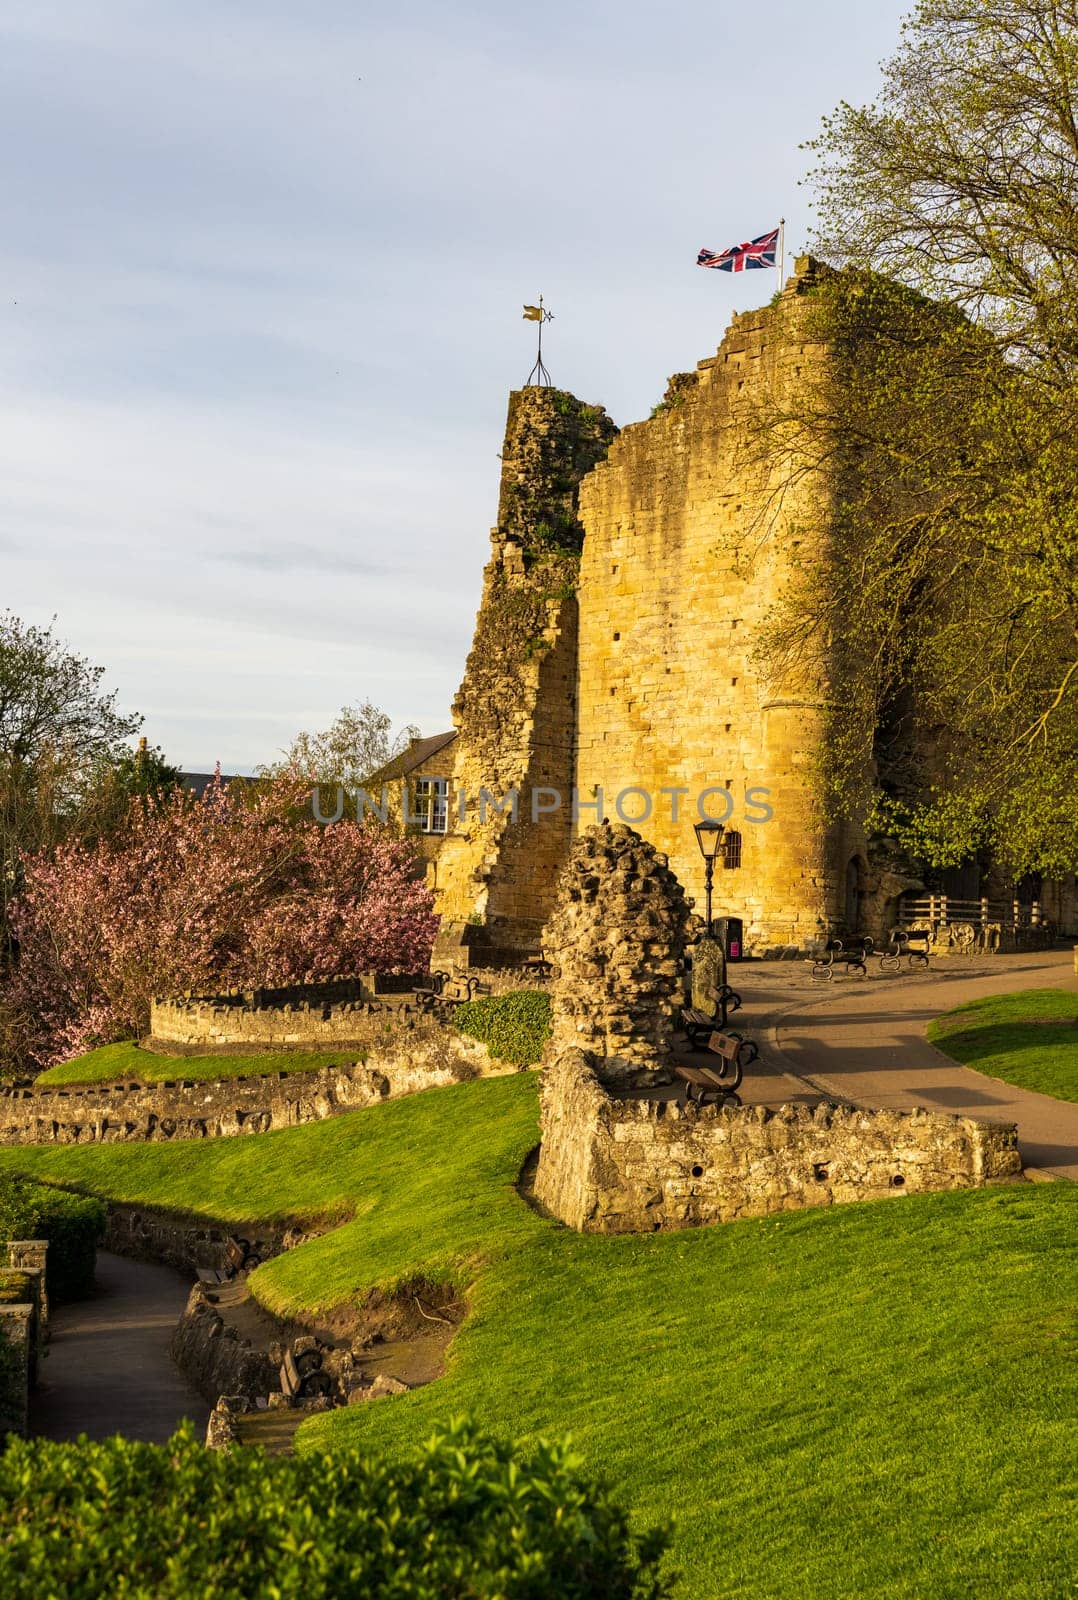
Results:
<point x="709" y="837"/>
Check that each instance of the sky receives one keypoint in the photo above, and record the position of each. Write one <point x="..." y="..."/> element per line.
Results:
<point x="262" y="269"/>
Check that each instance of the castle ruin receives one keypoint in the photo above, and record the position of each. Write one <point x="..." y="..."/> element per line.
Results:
<point x="614" y="670"/>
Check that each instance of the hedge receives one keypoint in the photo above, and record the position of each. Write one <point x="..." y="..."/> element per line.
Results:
<point x="74" y="1225"/>
<point x="514" y="1027"/>
<point x="467" y="1518"/>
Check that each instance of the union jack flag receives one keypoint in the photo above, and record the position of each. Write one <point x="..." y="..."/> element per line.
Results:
<point x="759" y="252"/>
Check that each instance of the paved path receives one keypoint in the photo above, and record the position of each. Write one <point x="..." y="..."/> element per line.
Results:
<point x="864" y="1041"/>
<point x="108" y="1369"/>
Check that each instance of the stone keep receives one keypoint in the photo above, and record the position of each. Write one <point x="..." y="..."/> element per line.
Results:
<point x="617" y="940"/>
<point x="691" y="538"/>
<point x="631" y="665"/>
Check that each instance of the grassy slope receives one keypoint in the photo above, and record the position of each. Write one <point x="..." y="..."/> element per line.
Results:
<point x="127" y="1063"/>
<point x="875" y="1400"/>
<point x="1022" y="1038"/>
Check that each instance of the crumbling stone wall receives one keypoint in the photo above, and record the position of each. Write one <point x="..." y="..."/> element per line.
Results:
<point x="516" y="708"/>
<point x="425" y="1054"/>
<point x="617" y="940"/>
<point x="30" y="1257"/>
<point x="610" y="1165"/>
<point x="215" y="1358"/>
<point x="188" y="1243"/>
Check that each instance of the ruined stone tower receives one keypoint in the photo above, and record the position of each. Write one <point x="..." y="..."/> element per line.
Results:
<point x="516" y="709"/>
<point x="631" y="668"/>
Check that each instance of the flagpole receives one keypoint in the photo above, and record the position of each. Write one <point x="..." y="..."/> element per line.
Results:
<point x="540" y="363"/>
<point x="782" y="248"/>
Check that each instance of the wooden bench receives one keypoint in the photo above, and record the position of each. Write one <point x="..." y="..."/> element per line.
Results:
<point x="734" y="1052"/>
<point x="703" y="1084"/>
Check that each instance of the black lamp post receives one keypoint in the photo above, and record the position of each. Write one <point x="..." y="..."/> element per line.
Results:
<point x="709" y="837"/>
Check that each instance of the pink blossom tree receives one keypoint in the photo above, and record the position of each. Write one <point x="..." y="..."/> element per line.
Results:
<point x="240" y="889"/>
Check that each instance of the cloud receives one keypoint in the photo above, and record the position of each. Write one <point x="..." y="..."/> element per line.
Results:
<point x="254" y="383"/>
<point x="300" y="558"/>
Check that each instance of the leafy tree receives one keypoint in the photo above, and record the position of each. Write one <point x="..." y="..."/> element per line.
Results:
<point x="947" y="610"/>
<point x="61" y="738"/>
<point x="961" y="180"/>
<point x="239" y="889"/>
<point x="51" y="699"/>
<point x="358" y="742"/>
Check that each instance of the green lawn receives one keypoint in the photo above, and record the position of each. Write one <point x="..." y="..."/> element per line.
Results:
<point x="1029" y="1039"/>
<point x="124" y="1063"/>
<point x="874" y="1400"/>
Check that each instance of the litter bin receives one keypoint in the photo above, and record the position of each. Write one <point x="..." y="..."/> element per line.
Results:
<point x="729" y="931"/>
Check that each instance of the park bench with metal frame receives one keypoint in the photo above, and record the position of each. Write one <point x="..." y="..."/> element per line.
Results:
<point x="697" y="1024"/>
<point x="446" y="990"/>
<point x="849" y="952"/>
<point x="710" y="1083"/>
<point x="900" y="948"/>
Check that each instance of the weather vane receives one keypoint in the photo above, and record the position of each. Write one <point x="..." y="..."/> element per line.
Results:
<point x="538" y="376"/>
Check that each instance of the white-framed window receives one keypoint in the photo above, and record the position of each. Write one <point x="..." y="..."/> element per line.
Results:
<point x="430" y="806"/>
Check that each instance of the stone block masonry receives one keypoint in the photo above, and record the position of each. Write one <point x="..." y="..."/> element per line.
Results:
<point x="340" y="1011"/>
<point x="692" y="538"/>
<point x="24" y="1320"/>
<point x="609" y="1165"/>
<point x="617" y="941"/>
<point x="16" y="1359"/>
<point x="188" y="1243"/>
<point x="425" y="1055"/>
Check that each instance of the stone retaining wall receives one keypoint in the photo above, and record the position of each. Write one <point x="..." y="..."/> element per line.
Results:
<point x="191" y="1242"/>
<point x="341" y="1011"/>
<point x="23" y="1329"/>
<point x="425" y="1055"/>
<point x="16" y="1363"/>
<point x="611" y="1165"/>
<point x="216" y="1360"/>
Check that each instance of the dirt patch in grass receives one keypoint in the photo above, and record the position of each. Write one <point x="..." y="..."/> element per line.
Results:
<point x="402" y="1335"/>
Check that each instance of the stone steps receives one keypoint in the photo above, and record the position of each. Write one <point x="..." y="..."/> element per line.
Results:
<point x="273" y="1431"/>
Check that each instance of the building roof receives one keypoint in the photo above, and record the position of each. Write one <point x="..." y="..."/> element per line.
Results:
<point x="418" y="751"/>
<point x="198" y="782"/>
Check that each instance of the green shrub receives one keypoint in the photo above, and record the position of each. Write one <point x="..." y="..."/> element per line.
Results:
<point x="73" y="1224"/>
<point x="514" y="1027"/>
<point x="465" y="1519"/>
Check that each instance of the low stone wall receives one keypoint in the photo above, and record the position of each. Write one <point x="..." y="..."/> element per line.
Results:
<point x="17" y="1356"/>
<point x="24" y="1325"/>
<point x="506" y="980"/>
<point x="31" y="1256"/>
<point x="610" y="1165"/>
<point x="427" y="1054"/>
<point x="340" y="1011"/>
<point x="215" y="1359"/>
<point x="190" y="1242"/>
